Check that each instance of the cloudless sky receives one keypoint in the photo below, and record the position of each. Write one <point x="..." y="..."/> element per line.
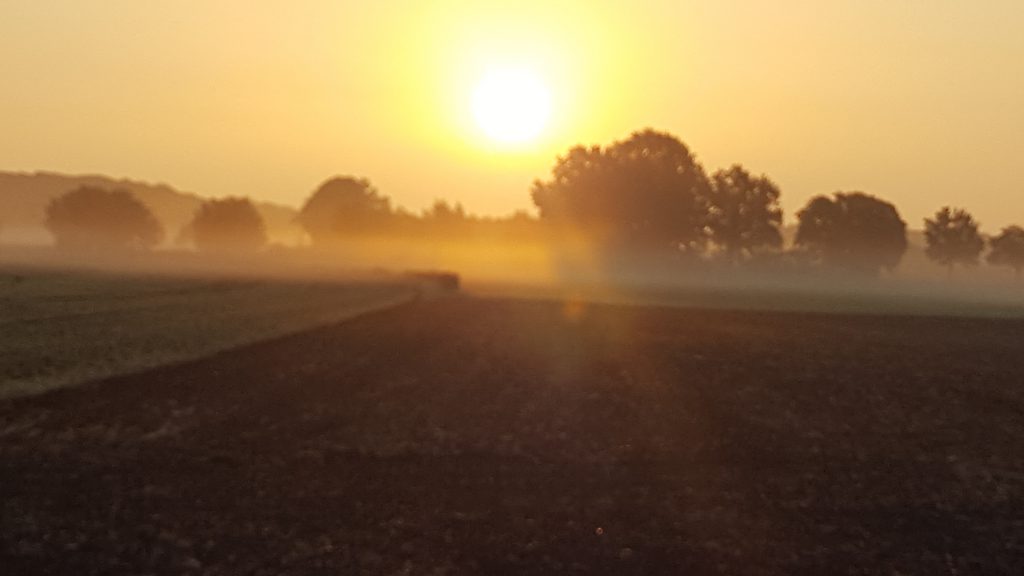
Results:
<point x="918" y="101"/>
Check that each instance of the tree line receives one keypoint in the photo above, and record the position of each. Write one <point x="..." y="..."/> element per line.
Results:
<point x="647" y="193"/>
<point x="94" y="218"/>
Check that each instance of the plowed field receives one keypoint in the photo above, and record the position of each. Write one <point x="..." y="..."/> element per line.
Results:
<point x="479" y="436"/>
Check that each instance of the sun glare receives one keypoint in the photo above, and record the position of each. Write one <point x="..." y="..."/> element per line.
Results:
<point x="511" y="105"/>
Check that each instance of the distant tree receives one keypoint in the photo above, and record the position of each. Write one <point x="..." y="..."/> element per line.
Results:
<point x="446" y="219"/>
<point x="230" y="224"/>
<point x="1007" y="249"/>
<point x="952" y="238"/>
<point x="441" y="212"/>
<point x="853" y="230"/>
<point x="647" y="190"/>
<point x="744" y="214"/>
<point x="344" y="206"/>
<point x="97" y="218"/>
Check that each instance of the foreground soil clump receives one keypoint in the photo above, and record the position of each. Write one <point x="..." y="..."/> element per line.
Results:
<point x="464" y="436"/>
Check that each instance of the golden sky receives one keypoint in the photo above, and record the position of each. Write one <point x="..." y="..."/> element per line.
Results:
<point x="918" y="101"/>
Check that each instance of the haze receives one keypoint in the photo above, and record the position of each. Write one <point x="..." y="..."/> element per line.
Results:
<point x="917" y="101"/>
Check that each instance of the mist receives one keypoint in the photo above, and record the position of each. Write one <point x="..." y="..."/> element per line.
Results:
<point x="638" y="220"/>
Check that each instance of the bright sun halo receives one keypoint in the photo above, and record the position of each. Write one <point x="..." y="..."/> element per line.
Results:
<point x="511" y="105"/>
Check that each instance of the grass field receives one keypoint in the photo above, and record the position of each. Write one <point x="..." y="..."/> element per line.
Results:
<point x="486" y="436"/>
<point x="59" y="328"/>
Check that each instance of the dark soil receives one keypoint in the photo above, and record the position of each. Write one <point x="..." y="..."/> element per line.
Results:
<point x="464" y="436"/>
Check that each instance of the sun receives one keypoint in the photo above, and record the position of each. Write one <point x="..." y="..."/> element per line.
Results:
<point x="511" y="105"/>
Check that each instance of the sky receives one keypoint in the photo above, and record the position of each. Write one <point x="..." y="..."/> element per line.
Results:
<point x="920" y="102"/>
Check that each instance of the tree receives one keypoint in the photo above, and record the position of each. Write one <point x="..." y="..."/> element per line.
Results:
<point x="446" y="220"/>
<point x="444" y="213"/>
<point x="647" y="190"/>
<point x="953" y="238"/>
<point x="1007" y="249"/>
<point x="344" y="206"/>
<point x="231" y="224"/>
<point x="97" y="218"/>
<point x="853" y="230"/>
<point x="744" y="214"/>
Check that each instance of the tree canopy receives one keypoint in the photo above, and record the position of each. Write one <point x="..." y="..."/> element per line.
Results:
<point x="952" y="238"/>
<point x="97" y="218"/>
<point x="1007" y="249"/>
<point x="744" y="214"/>
<point x="230" y="224"/>
<point x="853" y="230"/>
<point x="344" y="206"/>
<point x="647" y="190"/>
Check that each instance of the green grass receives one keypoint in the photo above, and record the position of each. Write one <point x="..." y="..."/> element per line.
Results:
<point x="58" y="329"/>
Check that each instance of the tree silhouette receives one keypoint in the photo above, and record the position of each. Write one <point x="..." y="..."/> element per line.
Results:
<point x="953" y="238"/>
<point x="744" y="214"/>
<point x="647" y="190"/>
<point x="97" y="218"/>
<point x="853" y="230"/>
<point x="444" y="213"/>
<point x="447" y="220"/>
<point x="230" y="224"/>
<point x="344" y="206"/>
<point x="1007" y="249"/>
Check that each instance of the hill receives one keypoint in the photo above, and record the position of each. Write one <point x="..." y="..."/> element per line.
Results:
<point x="24" y="196"/>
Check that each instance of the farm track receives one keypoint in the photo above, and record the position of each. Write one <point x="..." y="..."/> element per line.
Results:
<point x="471" y="436"/>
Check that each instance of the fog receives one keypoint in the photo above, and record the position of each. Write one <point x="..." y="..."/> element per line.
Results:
<point x="573" y="269"/>
<point x="638" y="220"/>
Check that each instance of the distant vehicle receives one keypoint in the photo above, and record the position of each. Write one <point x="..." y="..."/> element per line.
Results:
<point x="448" y="281"/>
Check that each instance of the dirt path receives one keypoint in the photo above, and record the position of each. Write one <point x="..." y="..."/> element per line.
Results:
<point x="464" y="436"/>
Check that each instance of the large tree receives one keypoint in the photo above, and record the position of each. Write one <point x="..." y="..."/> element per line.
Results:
<point x="97" y="218"/>
<point x="1007" y="249"/>
<point x="953" y="238"/>
<point x="744" y="214"/>
<point x="647" y="190"/>
<point x="229" y="224"/>
<point x="853" y="230"/>
<point x="344" y="206"/>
